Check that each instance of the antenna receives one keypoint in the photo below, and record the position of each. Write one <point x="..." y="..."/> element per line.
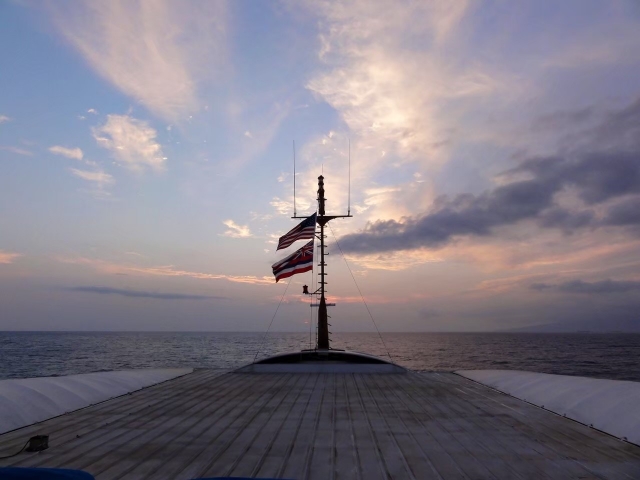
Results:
<point x="294" y="178"/>
<point x="349" y="200"/>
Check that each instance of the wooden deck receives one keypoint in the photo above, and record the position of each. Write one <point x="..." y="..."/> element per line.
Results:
<point x="324" y="426"/>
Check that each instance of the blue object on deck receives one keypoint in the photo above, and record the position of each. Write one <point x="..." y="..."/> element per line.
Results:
<point x="17" y="473"/>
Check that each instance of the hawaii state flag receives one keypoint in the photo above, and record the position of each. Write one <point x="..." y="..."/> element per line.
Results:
<point x="304" y="230"/>
<point x="298" y="262"/>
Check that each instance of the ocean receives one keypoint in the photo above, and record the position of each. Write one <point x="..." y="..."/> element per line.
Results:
<point x="34" y="354"/>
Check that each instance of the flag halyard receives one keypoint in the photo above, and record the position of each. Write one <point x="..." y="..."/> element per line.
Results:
<point x="303" y="231"/>
<point x="299" y="261"/>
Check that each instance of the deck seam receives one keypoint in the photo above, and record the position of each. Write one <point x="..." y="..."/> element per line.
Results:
<point x="389" y="431"/>
<point x="33" y="428"/>
<point x="202" y="429"/>
<point x="265" y="454"/>
<point x="94" y="430"/>
<point x="208" y="465"/>
<point x="418" y="402"/>
<point x="266" y="422"/>
<point x="555" y="438"/>
<point x="295" y="436"/>
<point x="200" y="401"/>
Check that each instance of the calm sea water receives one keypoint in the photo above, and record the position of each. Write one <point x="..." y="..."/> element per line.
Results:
<point x="32" y="354"/>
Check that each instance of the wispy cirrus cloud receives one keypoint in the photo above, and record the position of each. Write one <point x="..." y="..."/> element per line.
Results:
<point x="72" y="153"/>
<point x="17" y="150"/>
<point x="156" y="52"/>
<point x="4" y="118"/>
<point x="235" y="230"/>
<point x="98" y="177"/>
<point x="581" y="287"/>
<point x="161" y="271"/>
<point x="142" y="294"/>
<point x="371" y="66"/>
<point x="132" y="142"/>
<point x="8" y="257"/>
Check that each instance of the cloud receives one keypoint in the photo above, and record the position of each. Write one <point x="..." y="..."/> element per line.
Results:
<point x="626" y="212"/>
<point x="162" y="271"/>
<point x="8" y="257"/>
<point x="394" y="261"/>
<point x="92" y="111"/>
<point x="132" y="142"/>
<point x="389" y="74"/>
<point x="19" y="151"/>
<point x="156" y="52"/>
<point x="235" y="230"/>
<point x="72" y="153"/>
<point x="600" y="287"/>
<point x="4" y="118"/>
<point x="605" y="167"/>
<point x="142" y="294"/>
<point x="100" y="178"/>
<point x="561" y="119"/>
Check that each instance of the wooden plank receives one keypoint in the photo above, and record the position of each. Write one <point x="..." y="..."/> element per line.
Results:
<point x="540" y="455"/>
<point x="69" y="440"/>
<point x="117" y="439"/>
<point x="162" y="441"/>
<point x="54" y="425"/>
<point x="439" y="423"/>
<point x="222" y="434"/>
<point x="321" y="459"/>
<point x="565" y="438"/>
<point x="282" y="444"/>
<point x="309" y="426"/>
<point x="242" y="458"/>
<point x="346" y="458"/>
<point x="295" y="463"/>
<point x="537" y="458"/>
<point x="369" y="456"/>
<point x="393" y="458"/>
<point x="438" y="463"/>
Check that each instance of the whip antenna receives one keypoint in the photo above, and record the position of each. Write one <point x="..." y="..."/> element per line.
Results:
<point x="349" y="198"/>
<point x="294" y="178"/>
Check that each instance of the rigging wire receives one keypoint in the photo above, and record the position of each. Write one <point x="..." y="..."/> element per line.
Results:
<point x="349" y="201"/>
<point x="294" y="179"/>
<point x="360" y="292"/>
<point x="270" y="323"/>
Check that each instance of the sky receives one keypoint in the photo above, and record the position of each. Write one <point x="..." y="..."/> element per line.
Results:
<point x="146" y="163"/>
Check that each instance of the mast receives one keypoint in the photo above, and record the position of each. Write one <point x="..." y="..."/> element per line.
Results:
<point x="323" y="321"/>
<point x="323" y="342"/>
<point x="323" y="318"/>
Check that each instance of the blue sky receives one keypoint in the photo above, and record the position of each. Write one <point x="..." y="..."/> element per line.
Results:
<point x="146" y="162"/>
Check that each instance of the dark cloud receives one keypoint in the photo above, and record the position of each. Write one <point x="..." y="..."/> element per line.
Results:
<point x="141" y="294"/>
<point x="624" y="213"/>
<point x="568" y="221"/>
<point x="598" y="174"/>
<point x="620" y="129"/>
<point x="563" y="119"/>
<point x="579" y="286"/>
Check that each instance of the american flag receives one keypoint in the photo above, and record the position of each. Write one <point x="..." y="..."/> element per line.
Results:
<point x="304" y="230"/>
<point x="299" y="261"/>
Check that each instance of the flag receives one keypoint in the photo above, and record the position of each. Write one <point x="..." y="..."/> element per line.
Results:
<point x="298" y="262"/>
<point x="306" y="229"/>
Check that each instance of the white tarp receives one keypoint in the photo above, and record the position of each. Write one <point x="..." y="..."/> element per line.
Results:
<point x="30" y="400"/>
<point x="612" y="406"/>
